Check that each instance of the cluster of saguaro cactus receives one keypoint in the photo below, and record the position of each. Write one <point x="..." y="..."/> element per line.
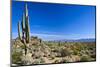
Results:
<point x="24" y="33"/>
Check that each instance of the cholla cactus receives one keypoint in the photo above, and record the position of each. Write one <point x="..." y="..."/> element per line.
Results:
<point x="24" y="34"/>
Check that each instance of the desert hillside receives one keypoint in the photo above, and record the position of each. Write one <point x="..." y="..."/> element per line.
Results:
<point x="47" y="52"/>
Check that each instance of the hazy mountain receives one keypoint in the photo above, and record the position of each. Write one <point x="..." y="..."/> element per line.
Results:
<point x="78" y="40"/>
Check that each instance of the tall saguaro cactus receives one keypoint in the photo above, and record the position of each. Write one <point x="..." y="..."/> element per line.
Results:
<point x="24" y="34"/>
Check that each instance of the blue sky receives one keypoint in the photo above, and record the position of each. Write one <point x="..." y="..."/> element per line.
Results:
<point x="55" y="21"/>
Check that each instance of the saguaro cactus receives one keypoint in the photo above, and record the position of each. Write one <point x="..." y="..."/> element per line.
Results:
<point x="24" y="34"/>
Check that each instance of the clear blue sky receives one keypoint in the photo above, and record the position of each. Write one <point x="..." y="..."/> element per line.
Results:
<point x="56" y="21"/>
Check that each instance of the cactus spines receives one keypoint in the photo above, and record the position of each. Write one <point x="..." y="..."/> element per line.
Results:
<point x="24" y="34"/>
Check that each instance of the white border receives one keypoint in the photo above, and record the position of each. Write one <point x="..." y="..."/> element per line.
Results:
<point x="84" y="2"/>
<point x="5" y="32"/>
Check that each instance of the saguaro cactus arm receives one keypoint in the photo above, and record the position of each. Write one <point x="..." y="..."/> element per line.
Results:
<point x="23" y="22"/>
<point x="26" y="10"/>
<point x="27" y="30"/>
<point x="19" y="31"/>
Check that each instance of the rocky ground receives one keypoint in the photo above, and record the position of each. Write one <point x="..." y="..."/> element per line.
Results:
<point x="40" y="52"/>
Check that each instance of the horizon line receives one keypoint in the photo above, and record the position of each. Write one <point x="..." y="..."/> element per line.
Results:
<point x="47" y="37"/>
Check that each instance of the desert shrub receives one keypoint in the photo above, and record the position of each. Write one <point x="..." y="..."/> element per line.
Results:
<point x="42" y="60"/>
<point x="65" y="52"/>
<point x="93" y="56"/>
<point x="61" y="61"/>
<point x="78" y="46"/>
<point x="85" y="58"/>
<point x="36" y="62"/>
<point x="50" y="45"/>
<point x="22" y="46"/>
<point x="52" y="57"/>
<point x="62" y="52"/>
<point x="57" y="61"/>
<point x="64" y="61"/>
<point x="75" y="52"/>
<point x="39" y="61"/>
<point x="16" y="57"/>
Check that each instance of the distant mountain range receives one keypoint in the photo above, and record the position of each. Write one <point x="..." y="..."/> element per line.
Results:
<point x="71" y="40"/>
<point x="78" y="40"/>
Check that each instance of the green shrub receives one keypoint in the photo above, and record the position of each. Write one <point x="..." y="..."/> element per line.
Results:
<point x="16" y="57"/>
<point x="85" y="58"/>
<point x="75" y="52"/>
